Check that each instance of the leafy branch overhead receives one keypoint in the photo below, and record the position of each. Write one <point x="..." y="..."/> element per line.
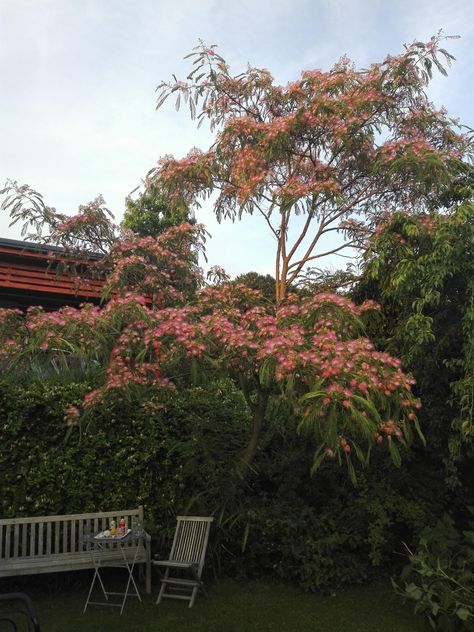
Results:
<point x="90" y="231"/>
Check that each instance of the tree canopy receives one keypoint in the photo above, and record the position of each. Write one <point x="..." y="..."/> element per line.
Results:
<point x="339" y="149"/>
<point x="150" y="213"/>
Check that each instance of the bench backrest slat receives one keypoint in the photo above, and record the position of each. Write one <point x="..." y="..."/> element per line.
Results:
<point x="32" y="538"/>
<point x="56" y="537"/>
<point x="7" y="542"/>
<point x="24" y="536"/>
<point x="80" y="535"/>
<point x="48" y="538"/>
<point x="16" y="539"/>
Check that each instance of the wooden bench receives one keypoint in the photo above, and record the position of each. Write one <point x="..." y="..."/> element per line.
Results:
<point x="50" y="544"/>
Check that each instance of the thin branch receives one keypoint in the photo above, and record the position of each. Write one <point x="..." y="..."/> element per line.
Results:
<point x="299" y="264"/>
<point x="274" y="231"/>
<point x="301" y="237"/>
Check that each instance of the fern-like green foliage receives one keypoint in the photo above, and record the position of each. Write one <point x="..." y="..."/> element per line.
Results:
<point x="438" y="577"/>
<point x="421" y="270"/>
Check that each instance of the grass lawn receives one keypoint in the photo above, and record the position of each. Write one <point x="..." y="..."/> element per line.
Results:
<point x="230" y="607"/>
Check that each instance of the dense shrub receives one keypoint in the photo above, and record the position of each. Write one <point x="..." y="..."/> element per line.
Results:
<point x="320" y="532"/>
<point x="153" y="454"/>
<point x="439" y="578"/>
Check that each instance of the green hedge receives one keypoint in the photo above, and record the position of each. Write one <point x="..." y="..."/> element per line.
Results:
<point x="158" y="455"/>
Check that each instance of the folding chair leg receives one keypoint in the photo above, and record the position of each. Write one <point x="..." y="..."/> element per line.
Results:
<point x="163" y="587"/>
<point x="193" y="596"/>
<point x="160" y="594"/>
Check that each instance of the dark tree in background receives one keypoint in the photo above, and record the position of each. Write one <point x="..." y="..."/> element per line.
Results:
<point x="150" y="213"/>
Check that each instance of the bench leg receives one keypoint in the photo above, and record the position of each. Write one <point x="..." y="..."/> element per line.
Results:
<point x="148" y="577"/>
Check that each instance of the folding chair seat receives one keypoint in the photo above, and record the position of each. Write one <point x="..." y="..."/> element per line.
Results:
<point x="182" y="577"/>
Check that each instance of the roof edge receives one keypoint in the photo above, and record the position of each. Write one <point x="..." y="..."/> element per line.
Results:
<point x="16" y="244"/>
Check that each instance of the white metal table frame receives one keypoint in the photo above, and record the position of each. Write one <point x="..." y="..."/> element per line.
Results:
<point x="98" y="548"/>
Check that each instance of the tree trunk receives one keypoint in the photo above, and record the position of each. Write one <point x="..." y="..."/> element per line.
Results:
<point x="280" y="290"/>
<point x="257" y="424"/>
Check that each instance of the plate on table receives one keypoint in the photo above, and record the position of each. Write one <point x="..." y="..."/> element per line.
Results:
<point x="103" y="535"/>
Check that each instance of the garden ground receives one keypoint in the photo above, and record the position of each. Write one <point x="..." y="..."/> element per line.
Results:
<point x="230" y="607"/>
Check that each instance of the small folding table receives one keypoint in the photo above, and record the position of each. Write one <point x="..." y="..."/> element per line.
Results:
<point x="116" y="552"/>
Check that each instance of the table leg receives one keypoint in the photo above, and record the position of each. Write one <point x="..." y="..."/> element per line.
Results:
<point x="128" y="563"/>
<point x="96" y="561"/>
<point x="129" y="566"/>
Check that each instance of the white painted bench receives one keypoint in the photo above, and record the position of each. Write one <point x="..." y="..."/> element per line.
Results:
<point x="50" y="544"/>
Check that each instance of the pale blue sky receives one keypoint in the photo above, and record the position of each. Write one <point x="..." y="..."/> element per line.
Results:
<point x="78" y="78"/>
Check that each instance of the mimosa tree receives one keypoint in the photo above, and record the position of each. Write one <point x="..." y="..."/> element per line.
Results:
<point x="325" y="154"/>
<point x="332" y="152"/>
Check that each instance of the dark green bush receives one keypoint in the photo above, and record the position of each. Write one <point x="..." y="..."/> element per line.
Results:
<point x="327" y="534"/>
<point x="316" y="550"/>
<point x="439" y="577"/>
<point x="159" y="454"/>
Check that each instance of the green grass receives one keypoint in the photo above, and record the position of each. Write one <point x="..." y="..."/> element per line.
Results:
<point x="230" y="607"/>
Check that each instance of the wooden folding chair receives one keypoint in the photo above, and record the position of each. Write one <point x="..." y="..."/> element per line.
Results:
<point x="182" y="577"/>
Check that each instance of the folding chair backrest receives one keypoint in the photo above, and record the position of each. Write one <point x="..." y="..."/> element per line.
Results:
<point x="190" y="540"/>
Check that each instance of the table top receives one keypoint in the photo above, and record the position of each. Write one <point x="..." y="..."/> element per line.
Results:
<point x="132" y="534"/>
